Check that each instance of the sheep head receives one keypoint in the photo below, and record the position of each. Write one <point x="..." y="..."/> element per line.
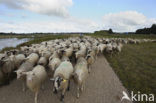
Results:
<point x="59" y="83"/>
<point x="30" y="76"/>
<point x="19" y="73"/>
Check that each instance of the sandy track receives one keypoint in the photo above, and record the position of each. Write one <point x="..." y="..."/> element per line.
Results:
<point x="102" y="86"/>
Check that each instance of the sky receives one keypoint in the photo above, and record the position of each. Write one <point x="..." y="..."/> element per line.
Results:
<point x="26" y="16"/>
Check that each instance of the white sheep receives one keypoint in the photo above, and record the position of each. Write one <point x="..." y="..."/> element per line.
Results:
<point x="35" y="78"/>
<point x="80" y="74"/>
<point x="90" y="60"/>
<point x="102" y="47"/>
<point x="18" y="59"/>
<point x="109" y="48"/>
<point x="119" y="47"/>
<point x="33" y="58"/>
<point x="68" y="52"/>
<point x="62" y="77"/>
<point x="42" y="61"/>
<point x="81" y="52"/>
<point x="54" y="63"/>
<point x="25" y="67"/>
<point x="56" y="54"/>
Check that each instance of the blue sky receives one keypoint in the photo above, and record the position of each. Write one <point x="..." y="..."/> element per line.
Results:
<point x="75" y="15"/>
<point x="98" y="8"/>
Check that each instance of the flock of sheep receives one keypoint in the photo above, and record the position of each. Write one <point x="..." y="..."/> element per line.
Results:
<point x="60" y="60"/>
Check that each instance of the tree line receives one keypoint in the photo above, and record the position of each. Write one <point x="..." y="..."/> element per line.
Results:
<point x="151" y="30"/>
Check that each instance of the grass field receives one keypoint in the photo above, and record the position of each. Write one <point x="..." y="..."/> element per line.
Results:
<point x="136" y="67"/>
<point x="134" y="36"/>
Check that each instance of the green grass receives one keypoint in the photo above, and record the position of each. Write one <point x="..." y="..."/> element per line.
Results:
<point x="134" y="36"/>
<point x="136" y="67"/>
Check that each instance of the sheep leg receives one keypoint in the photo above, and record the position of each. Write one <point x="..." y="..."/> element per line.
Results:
<point x="68" y="86"/>
<point x="24" y="87"/>
<point x="78" y="94"/>
<point x="88" y="68"/>
<point x="42" y="87"/>
<point x="62" y="95"/>
<point x="36" y="95"/>
<point x="95" y="57"/>
<point x="54" y="91"/>
<point x="82" y="87"/>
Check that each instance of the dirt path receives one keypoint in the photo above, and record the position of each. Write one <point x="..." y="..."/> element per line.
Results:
<point x="102" y="86"/>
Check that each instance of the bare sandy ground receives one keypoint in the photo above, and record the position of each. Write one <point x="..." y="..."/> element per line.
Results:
<point x="102" y="86"/>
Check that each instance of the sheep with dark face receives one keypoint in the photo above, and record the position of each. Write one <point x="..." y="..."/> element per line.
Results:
<point x="62" y="78"/>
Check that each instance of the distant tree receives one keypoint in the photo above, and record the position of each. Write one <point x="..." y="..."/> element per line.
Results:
<point x="151" y="30"/>
<point x="110" y="31"/>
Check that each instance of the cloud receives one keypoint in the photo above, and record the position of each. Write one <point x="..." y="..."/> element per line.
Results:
<point x="65" y="25"/>
<point x="46" y="7"/>
<point x="126" y="21"/>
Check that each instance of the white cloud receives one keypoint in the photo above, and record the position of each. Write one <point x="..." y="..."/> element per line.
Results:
<point x="66" y="25"/>
<point x="47" y="7"/>
<point x="126" y="21"/>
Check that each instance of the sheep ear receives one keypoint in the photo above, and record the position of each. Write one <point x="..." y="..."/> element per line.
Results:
<point x="52" y="79"/>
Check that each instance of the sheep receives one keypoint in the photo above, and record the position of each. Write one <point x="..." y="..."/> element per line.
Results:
<point x="25" y="67"/>
<point x="42" y="61"/>
<point x="33" y="58"/>
<point x="62" y="78"/>
<point x="1" y="77"/>
<point x="2" y="56"/>
<point x="56" y="54"/>
<point x="81" y="52"/>
<point x="68" y="52"/>
<point x="102" y="47"/>
<point x="119" y="47"/>
<point x="18" y="59"/>
<point x="54" y="63"/>
<point x="90" y="60"/>
<point x="35" y="78"/>
<point x="96" y="49"/>
<point x="7" y="66"/>
<point x="109" y="48"/>
<point x="46" y="54"/>
<point x="80" y="74"/>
